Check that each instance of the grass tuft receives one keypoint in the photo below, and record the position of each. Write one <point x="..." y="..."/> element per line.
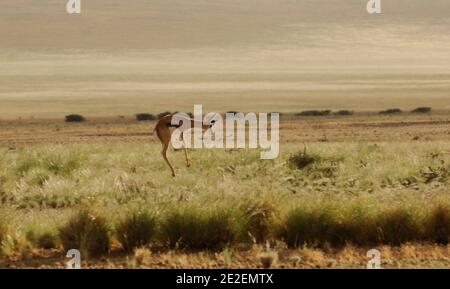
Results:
<point x="86" y="232"/>
<point x="195" y="228"/>
<point x="47" y="241"/>
<point x="136" y="230"/>
<point x="302" y="160"/>
<point x="437" y="225"/>
<point x="399" y="226"/>
<point x="259" y="220"/>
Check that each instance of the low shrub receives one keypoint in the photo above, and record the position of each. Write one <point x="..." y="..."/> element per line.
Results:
<point x="422" y="110"/>
<point x="314" y="113"/>
<point x="344" y="112"/>
<point x="391" y="111"/>
<point x="145" y="117"/>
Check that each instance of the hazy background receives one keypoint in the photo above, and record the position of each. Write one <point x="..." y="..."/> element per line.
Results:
<point x="124" y="57"/>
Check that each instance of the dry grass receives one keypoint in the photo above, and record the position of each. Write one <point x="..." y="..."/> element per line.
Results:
<point x="343" y="189"/>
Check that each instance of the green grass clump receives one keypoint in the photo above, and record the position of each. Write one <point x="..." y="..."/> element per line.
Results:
<point x="136" y="230"/>
<point x="40" y="165"/>
<point x="86" y="232"/>
<point x="45" y="240"/>
<point x="194" y="228"/>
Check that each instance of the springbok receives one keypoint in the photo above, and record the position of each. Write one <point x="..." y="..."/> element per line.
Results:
<point x="164" y="129"/>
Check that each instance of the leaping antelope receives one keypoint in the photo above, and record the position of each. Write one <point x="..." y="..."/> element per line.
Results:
<point x="164" y="132"/>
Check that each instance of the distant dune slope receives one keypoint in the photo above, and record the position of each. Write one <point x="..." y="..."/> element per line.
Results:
<point x="118" y="57"/>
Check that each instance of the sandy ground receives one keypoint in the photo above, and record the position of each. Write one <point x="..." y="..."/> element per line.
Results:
<point x="406" y="256"/>
<point x="407" y="127"/>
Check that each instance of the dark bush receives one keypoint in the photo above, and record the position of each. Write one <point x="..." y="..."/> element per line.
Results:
<point x="391" y="111"/>
<point x="422" y="110"/>
<point x="314" y="113"/>
<point x="86" y="232"/>
<point x="344" y="112"/>
<point x="75" y="118"/>
<point x="145" y="116"/>
<point x="136" y="230"/>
